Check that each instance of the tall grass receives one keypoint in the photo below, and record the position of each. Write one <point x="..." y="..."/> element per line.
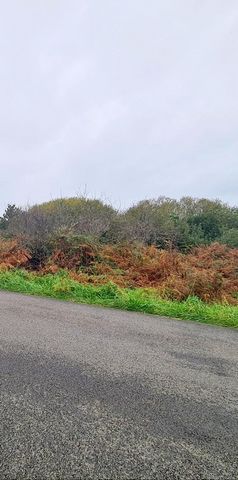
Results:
<point x="61" y="286"/>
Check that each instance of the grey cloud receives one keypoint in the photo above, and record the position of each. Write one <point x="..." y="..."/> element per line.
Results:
<point x="134" y="99"/>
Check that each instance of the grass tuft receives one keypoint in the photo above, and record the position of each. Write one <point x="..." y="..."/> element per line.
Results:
<point x="61" y="286"/>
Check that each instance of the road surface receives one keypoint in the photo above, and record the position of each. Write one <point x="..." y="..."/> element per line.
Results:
<point x="93" y="393"/>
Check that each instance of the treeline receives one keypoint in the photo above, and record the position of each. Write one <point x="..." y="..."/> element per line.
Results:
<point x="165" y="223"/>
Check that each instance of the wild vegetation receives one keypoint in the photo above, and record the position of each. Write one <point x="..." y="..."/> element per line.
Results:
<point x="63" y="286"/>
<point x="165" y="223"/>
<point x="163" y="252"/>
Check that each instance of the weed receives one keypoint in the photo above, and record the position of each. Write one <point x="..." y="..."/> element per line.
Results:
<point x="62" y="286"/>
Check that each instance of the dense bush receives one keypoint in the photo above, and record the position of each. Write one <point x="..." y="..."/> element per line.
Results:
<point x="164" y="222"/>
<point x="180" y="248"/>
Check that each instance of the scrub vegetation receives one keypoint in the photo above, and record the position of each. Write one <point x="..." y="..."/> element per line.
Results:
<point x="163" y="256"/>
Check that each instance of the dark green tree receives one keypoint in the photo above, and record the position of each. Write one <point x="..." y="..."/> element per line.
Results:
<point x="10" y="213"/>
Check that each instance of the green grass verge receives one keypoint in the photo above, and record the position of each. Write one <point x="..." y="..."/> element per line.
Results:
<point x="61" y="286"/>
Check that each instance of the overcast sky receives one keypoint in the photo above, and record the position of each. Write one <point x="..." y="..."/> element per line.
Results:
<point x="128" y="99"/>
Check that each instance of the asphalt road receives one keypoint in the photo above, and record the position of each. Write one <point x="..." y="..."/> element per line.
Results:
<point x="93" y="393"/>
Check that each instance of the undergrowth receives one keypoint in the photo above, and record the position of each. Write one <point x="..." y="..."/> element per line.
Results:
<point x="209" y="273"/>
<point x="62" y="286"/>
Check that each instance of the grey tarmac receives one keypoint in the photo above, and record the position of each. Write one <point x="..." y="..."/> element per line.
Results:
<point x="95" y="393"/>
